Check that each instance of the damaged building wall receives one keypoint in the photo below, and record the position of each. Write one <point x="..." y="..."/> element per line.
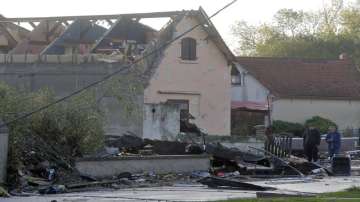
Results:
<point x="161" y="121"/>
<point x="64" y="79"/>
<point x="204" y="82"/>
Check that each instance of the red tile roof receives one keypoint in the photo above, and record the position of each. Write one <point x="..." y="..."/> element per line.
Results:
<point x="305" y="78"/>
<point x="257" y="106"/>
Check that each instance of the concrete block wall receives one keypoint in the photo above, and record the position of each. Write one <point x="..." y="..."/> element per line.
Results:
<point x="65" y="77"/>
<point x="106" y="168"/>
<point x="49" y="59"/>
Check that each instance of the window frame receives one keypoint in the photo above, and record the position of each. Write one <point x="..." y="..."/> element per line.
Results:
<point x="188" y="49"/>
<point x="236" y="73"/>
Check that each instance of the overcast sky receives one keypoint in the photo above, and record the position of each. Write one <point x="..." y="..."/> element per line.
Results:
<point x="253" y="11"/>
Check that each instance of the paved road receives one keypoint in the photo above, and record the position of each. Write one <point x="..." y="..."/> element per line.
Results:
<point x="176" y="193"/>
<point x="197" y="192"/>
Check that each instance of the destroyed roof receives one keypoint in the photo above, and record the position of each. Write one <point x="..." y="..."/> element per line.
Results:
<point x="124" y="29"/>
<point x="10" y="35"/>
<point x="52" y="34"/>
<point x="77" y="33"/>
<point x="39" y="38"/>
<point x="305" y="78"/>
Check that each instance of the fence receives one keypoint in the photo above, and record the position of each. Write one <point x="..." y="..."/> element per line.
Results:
<point x="279" y="146"/>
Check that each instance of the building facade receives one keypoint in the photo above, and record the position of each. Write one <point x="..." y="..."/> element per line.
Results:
<point x="298" y="89"/>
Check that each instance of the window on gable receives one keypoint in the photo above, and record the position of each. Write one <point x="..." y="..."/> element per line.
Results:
<point x="188" y="49"/>
<point x="235" y="76"/>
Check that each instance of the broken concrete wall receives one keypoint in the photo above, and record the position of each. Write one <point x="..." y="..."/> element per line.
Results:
<point x="3" y="153"/>
<point x="64" y="79"/>
<point x="161" y="121"/>
<point x="159" y="164"/>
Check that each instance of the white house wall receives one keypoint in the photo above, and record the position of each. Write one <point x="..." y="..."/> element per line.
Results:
<point x="250" y="90"/>
<point x="205" y="82"/>
<point x="345" y="113"/>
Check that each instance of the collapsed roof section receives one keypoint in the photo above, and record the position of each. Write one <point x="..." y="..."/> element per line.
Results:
<point x="79" y="34"/>
<point x="79" y="37"/>
<point x="126" y="38"/>
<point x="39" y="38"/>
<point x="10" y="35"/>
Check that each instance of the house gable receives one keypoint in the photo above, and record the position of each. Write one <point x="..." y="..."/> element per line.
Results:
<point x="204" y="82"/>
<point x="249" y="89"/>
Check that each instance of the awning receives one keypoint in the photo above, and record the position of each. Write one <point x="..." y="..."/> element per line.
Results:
<point x="249" y="105"/>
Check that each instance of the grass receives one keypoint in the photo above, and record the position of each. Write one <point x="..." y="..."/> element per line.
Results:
<point x="348" y="195"/>
<point x="295" y="200"/>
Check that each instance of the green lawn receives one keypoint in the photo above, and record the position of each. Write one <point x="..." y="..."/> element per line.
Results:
<point x="349" y="195"/>
<point x="295" y="200"/>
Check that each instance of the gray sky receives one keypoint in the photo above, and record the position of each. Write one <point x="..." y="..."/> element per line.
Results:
<point x="253" y="11"/>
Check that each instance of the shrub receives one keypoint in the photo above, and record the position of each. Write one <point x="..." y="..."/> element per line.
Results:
<point x="288" y="127"/>
<point x="74" y="126"/>
<point x="320" y="123"/>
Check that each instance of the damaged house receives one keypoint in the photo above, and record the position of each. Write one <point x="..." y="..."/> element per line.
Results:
<point x="186" y="80"/>
<point x="294" y="90"/>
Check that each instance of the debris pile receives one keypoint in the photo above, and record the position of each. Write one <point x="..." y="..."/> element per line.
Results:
<point x="46" y="169"/>
<point x="130" y="144"/>
<point x="38" y="165"/>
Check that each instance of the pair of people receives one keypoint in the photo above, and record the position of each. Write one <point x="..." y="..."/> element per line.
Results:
<point x="312" y="139"/>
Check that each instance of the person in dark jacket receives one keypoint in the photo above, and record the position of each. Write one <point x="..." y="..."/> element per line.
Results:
<point x="311" y="141"/>
<point x="333" y="138"/>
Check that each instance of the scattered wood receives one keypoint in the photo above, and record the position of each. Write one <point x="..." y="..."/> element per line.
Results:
<point x="91" y="184"/>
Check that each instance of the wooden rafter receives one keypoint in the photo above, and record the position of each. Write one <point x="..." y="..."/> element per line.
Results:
<point x="95" y="17"/>
<point x="11" y="40"/>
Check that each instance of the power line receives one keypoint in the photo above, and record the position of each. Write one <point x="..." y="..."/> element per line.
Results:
<point x="114" y="73"/>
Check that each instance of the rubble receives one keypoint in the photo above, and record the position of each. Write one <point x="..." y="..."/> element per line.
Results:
<point x="46" y="170"/>
<point x="3" y="192"/>
<point x="222" y="183"/>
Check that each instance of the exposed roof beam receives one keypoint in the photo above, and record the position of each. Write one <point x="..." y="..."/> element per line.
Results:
<point x="109" y="22"/>
<point x="53" y="29"/>
<point x="94" y="17"/>
<point x="11" y="40"/>
<point x="104" y="35"/>
<point x="32" y="25"/>
<point x="65" y="23"/>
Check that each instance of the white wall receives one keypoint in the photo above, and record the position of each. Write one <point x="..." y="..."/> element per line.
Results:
<point x="345" y="113"/>
<point x="204" y="82"/>
<point x="161" y="121"/>
<point x="250" y="89"/>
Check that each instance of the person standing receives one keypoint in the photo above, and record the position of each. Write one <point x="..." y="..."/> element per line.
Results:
<point x="333" y="138"/>
<point x="311" y="141"/>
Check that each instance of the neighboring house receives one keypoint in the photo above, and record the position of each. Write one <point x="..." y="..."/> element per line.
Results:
<point x="188" y="78"/>
<point x="298" y="89"/>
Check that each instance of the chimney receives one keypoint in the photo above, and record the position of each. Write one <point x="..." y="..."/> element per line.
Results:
<point x="343" y="56"/>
